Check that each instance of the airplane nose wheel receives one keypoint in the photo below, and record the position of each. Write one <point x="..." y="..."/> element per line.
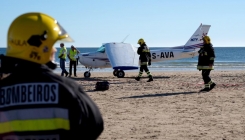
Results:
<point x="87" y="74"/>
<point x="120" y="74"/>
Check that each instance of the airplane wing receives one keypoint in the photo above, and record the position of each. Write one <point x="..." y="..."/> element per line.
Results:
<point x="122" y="56"/>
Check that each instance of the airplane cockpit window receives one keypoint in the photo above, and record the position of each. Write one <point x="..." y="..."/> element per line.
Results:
<point x="101" y="49"/>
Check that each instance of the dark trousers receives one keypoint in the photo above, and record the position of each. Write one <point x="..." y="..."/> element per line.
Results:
<point x="74" y="64"/>
<point x="62" y="66"/>
<point x="144" y="67"/>
<point x="77" y="60"/>
<point x="205" y="76"/>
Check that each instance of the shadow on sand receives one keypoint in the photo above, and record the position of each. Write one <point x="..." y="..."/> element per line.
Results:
<point x="115" y="80"/>
<point x="159" y="95"/>
<point x="87" y="79"/>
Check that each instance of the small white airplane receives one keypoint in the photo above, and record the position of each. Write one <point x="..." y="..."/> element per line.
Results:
<point x="123" y="56"/>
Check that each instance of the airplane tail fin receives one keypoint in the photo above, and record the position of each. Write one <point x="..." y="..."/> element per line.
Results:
<point x="195" y="40"/>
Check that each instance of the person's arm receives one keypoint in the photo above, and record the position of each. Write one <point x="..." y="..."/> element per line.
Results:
<point x="211" y="54"/>
<point x="149" y="55"/>
<point x="77" y="50"/>
<point x="62" y="54"/>
<point x="91" y="123"/>
<point x="139" y="51"/>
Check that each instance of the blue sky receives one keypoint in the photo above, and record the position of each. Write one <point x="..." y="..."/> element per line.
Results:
<point x="162" y="23"/>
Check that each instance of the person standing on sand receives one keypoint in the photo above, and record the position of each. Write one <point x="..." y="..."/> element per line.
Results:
<point x="62" y="56"/>
<point x="36" y="103"/>
<point x="73" y="61"/>
<point x="145" y="59"/>
<point x="206" y="63"/>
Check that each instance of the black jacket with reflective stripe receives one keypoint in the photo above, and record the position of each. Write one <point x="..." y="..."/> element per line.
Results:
<point x="206" y="57"/>
<point x="32" y="87"/>
<point x="144" y="53"/>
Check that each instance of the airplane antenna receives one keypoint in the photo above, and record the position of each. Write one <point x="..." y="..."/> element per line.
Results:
<point x="125" y="38"/>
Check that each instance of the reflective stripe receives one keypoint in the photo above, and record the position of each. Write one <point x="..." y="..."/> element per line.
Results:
<point x="32" y="137"/>
<point x="144" y="63"/>
<point x="145" y="50"/>
<point x="140" y="74"/>
<point x="30" y="114"/>
<point x="148" y="73"/>
<point x="210" y="82"/>
<point x="34" y="120"/>
<point x="211" y="58"/>
<point x="207" y="86"/>
<point x="205" y="67"/>
<point x="34" y="125"/>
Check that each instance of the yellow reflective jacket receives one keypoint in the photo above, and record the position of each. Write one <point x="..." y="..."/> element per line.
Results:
<point x="72" y="54"/>
<point x="63" y="51"/>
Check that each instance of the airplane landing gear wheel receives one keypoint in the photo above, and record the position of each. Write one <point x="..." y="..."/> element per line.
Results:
<point x="120" y="74"/>
<point x="87" y="74"/>
<point x="115" y="72"/>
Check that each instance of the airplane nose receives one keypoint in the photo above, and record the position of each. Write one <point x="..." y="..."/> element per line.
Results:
<point x="80" y="58"/>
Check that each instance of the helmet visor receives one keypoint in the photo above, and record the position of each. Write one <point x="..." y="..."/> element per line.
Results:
<point x="63" y="35"/>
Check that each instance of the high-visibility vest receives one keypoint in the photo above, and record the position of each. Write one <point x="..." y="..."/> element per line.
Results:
<point x="72" y="54"/>
<point x="63" y="50"/>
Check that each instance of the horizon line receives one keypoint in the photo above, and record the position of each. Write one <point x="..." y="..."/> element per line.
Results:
<point x="151" y="46"/>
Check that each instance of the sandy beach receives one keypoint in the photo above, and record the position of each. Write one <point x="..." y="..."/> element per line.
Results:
<point x="170" y="107"/>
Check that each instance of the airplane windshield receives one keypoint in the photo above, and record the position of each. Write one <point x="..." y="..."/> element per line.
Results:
<point x="101" y="49"/>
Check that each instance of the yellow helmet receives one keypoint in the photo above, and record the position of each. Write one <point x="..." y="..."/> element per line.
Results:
<point x="31" y="37"/>
<point x="141" y="41"/>
<point x="207" y="39"/>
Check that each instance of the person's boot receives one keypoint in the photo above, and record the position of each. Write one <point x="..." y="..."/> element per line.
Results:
<point x="75" y="74"/>
<point x="67" y="74"/>
<point x="137" y="78"/>
<point x="150" y="79"/>
<point x="206" y="89"/>
<point x="212" y="86"/>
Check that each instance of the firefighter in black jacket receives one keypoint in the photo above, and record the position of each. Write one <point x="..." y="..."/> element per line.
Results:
<point x="1" y="72"/>
<point x="145" y="59"/>
<point x="36" y="103"/>
<point x="206" y="63"/>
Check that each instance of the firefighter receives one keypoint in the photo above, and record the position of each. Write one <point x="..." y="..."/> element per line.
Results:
<point x="36" y="103"/>
<point x="144" y="59"/>
<point x="1" y="71"/>
<point x="206" y="63"/>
